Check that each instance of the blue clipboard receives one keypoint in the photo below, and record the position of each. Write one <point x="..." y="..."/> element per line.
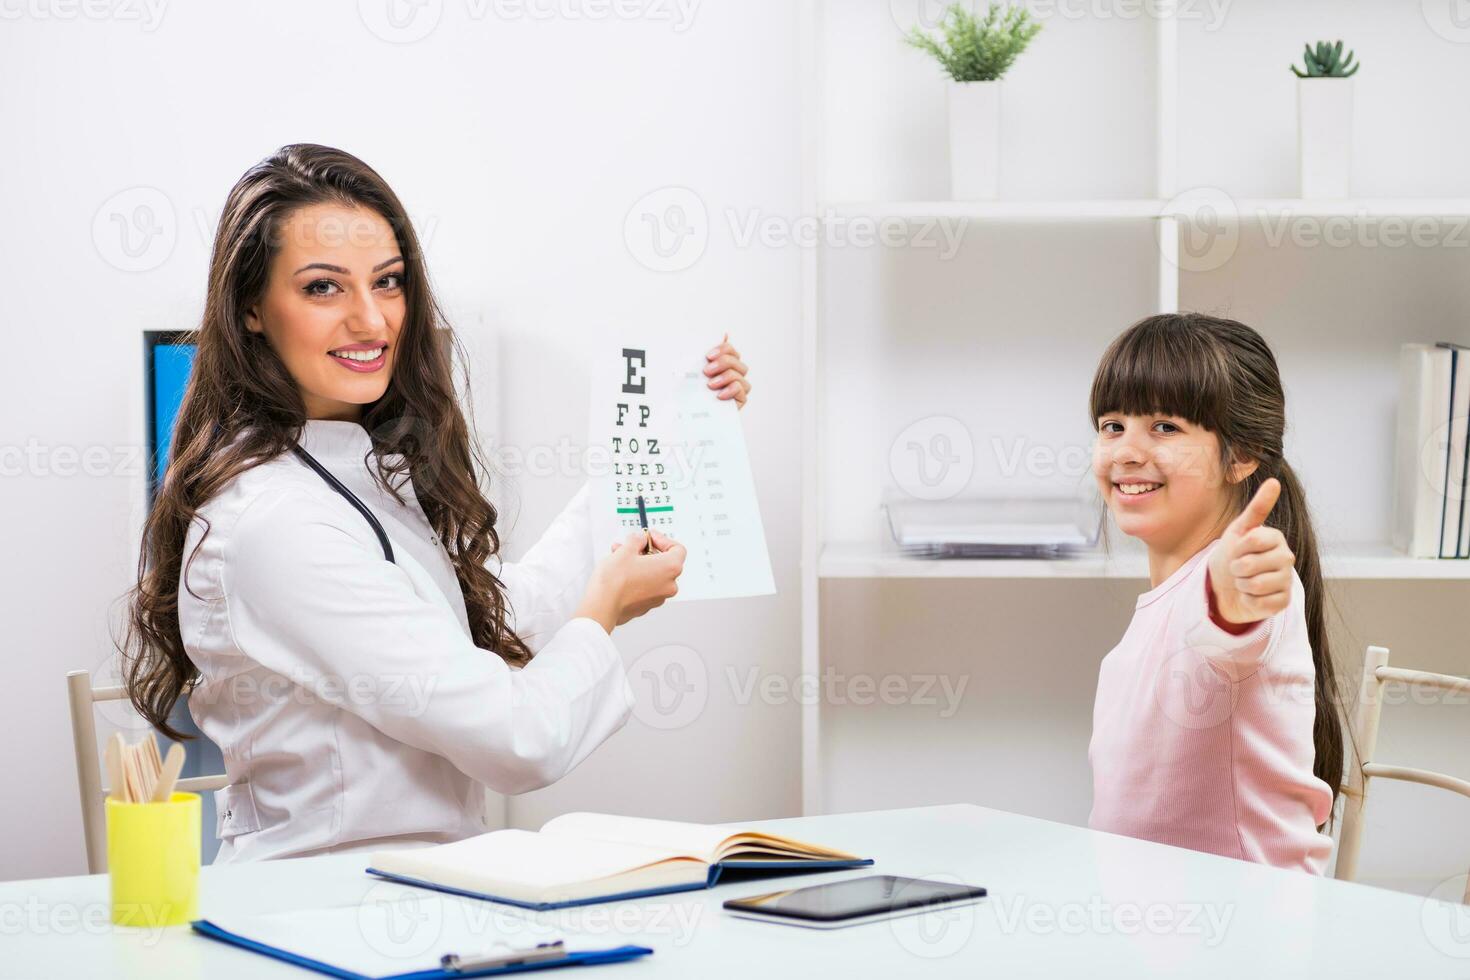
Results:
<point x="583" y="958"/>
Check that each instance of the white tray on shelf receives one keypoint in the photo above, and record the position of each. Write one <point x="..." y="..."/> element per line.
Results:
<point x="1034" y="526"/>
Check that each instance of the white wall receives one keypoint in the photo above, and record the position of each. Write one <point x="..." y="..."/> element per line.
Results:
<point x="519" y="146"/>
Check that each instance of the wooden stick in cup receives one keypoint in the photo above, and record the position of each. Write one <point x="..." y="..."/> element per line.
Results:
<point x="140" y="775"/>
<point x="164" y="787"/>
<point x="130" y="778"/>
<point x="145" y="772"/>
<point x="155" y="764"/>
<point x="140" y="771"/>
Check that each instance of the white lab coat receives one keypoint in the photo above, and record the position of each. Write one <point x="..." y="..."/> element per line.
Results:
<point x="350" y="703"/>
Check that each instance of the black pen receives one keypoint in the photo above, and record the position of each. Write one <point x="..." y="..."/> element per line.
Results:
<point x="643" y="523"/>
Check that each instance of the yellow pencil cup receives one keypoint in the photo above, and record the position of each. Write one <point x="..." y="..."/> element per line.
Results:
<point x="153" y="861"/>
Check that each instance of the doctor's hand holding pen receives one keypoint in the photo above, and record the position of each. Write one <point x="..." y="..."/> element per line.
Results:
<point x="641" y="574"/>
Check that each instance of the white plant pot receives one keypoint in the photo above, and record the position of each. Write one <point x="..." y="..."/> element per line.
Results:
<point x="1324" y="108"/>
<point x="974" y="140"/>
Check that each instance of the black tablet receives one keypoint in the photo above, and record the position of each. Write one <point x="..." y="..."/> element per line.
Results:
<point x="846" y="903"/>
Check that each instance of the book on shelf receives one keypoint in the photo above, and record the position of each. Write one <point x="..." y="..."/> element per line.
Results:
<point x="1432" y="456"/>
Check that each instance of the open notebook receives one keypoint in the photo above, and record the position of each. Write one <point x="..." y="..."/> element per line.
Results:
<point x="582" y="858"/>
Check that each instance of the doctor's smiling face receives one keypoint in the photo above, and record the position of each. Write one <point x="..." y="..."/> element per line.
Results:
<point x="333" y="306"/>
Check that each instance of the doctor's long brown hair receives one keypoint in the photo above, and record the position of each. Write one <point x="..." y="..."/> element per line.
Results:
<point x="1221" y="374"/>
<point x="242" y="408"/>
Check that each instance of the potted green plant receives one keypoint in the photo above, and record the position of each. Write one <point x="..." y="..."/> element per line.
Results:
<point x="975" y="52"/>
<point x="1324" y="105"/>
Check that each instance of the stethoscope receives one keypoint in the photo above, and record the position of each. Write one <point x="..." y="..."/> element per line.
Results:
<point x="336" y="485"/>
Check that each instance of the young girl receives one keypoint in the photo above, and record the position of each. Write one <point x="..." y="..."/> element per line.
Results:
<point x="1214" y="726"/>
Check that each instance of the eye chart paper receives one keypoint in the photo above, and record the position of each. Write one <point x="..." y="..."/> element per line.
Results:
<point x="665" y="435"/>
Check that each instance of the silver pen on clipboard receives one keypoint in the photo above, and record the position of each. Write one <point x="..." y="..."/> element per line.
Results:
<point x="503" y="954"/>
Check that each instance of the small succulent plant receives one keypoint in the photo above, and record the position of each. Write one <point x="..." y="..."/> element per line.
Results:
<point x="1326" y="62"/>
<point x="978" y="49"/>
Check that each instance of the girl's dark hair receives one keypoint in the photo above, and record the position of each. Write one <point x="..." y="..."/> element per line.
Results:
<point x="242" y="408"/>
<point x="1221" y="374"/>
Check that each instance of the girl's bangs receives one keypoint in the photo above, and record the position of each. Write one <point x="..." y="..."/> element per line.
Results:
<point x="1160" y="366"/>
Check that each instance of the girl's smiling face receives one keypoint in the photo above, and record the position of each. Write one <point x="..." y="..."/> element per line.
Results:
<point x="1161" y="477"/>
<point x="333" y="307"/>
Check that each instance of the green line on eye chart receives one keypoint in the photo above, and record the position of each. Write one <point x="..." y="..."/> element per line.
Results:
<point x="647" y="510"/>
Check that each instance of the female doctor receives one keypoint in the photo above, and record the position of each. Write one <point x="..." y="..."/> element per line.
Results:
<point x="321" y="562"/>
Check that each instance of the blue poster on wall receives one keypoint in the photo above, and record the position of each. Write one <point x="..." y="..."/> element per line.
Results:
<point x="171" y="365"/>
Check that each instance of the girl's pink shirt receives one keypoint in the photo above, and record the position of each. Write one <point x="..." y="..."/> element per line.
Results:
<point x="1202" y="738"/>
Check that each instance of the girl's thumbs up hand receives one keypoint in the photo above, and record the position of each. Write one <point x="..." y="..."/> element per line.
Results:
<point x="1250" y="569"/>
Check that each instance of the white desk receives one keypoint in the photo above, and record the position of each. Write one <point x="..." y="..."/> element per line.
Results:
<point x="1064" y="902"/>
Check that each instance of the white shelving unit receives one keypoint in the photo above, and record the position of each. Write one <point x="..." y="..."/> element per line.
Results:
<point x="1363" y="562"/>
<point x="1248" y="209"/>
<point x="1002" y="336"/>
